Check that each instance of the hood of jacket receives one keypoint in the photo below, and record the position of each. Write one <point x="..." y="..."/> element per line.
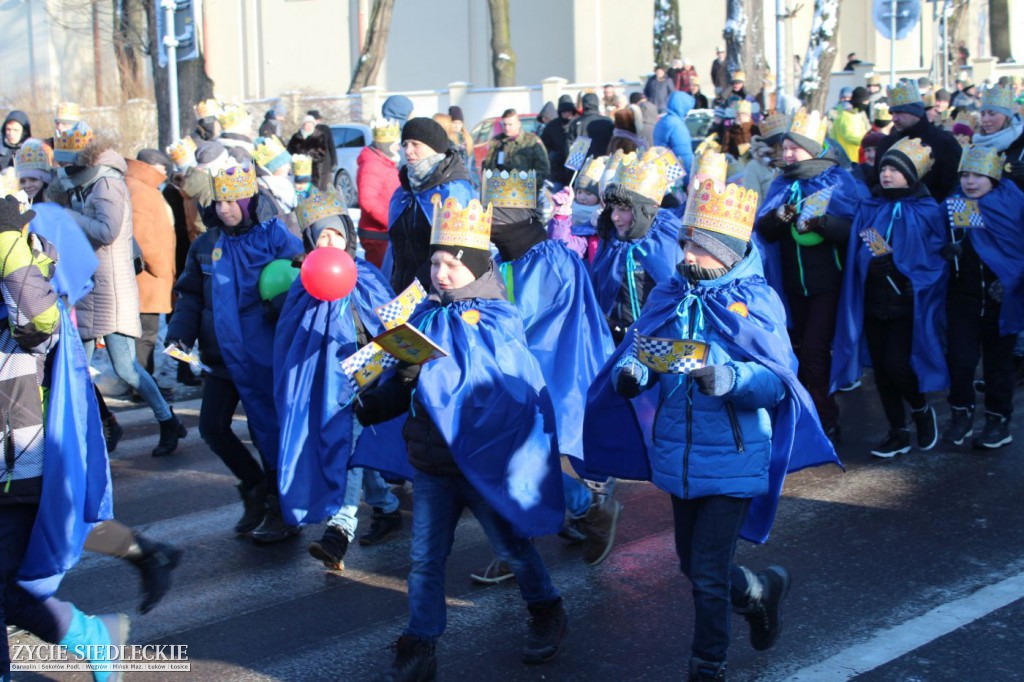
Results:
<point x="680" y="103"/>
<point x="21" y="117"/>
<point x="591" y="104"/>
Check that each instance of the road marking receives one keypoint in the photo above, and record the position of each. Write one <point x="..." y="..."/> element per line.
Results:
<point x="888" y="645"/>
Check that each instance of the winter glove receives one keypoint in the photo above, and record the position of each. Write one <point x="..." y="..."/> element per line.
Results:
<point x="786" y="213"/>
<point x="952" y="251"/>
<point x="812" y="224"/>
<point x="632" y="377"/>
<point x="368" y="409"/>
<point x="996" y="291"/>
<point x="11" y="217"/>
<point x="563" y="202"/>
<point x="715" y="380"/>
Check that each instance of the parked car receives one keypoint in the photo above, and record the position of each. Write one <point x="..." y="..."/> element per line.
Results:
<point x="485" y="130"/>
<point x="698" y="122"/>
<point x="349" y="140"/>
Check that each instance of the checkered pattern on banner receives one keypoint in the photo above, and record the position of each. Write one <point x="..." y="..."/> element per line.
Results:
<point x="964" y="212"/>
<point x="578" y="153"/>
<point x="815" y="205"/>
<point x="874" y="241"/>
<point x="672" y="356"/>
<point x="674" y="173"/>
<point x="398" y="310"/>
<point x="366" y="364"/>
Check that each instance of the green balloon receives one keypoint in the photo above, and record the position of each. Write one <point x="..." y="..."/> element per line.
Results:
<point x="277" y="278"/>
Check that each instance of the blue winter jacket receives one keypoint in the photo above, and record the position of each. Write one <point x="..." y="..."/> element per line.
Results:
<point x="704" y="445"/>
<point x="671" y="130"/>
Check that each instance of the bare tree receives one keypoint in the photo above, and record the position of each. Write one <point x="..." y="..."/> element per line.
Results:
<point x="503" y="57"/>
<point x="821" y="52"/>
<point x="668" y="34"/>
<point x="744" y="41"/>
<point x="129" y="37"/>
<point x="374" y="45"/>
<point x="735" y="34"/>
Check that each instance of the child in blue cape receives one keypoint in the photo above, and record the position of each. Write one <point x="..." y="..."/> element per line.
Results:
<point x="480" y="434"/>
<point x="732" y="419"/>
<point x="985" y="302"/>
<point x="314" y="398"/>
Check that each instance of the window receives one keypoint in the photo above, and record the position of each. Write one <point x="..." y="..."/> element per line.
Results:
<point x="348" y="137"/>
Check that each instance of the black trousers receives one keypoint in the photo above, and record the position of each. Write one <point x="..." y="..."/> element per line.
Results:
<point x="814" y="325"/>
<point x="973" y="337"/>
<point x="220" y="399"/>
<point x="890" y="343"/>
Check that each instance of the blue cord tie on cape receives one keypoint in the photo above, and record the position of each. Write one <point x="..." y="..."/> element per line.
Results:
<point x="509" y="278"/>
<point x="634" y="300"/>
<point x="683" y="313"/>
<point x="897" y="212"/>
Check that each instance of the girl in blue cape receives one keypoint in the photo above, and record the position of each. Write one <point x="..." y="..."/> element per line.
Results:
<point x="313" y="396"/>
<point x="894" y="294"/>
<point x="808" y="274"/>
<point x="985" y="303"/>
<point x="244" y="330"/>
<point x="480" y="434"/>
<point x="638" y="248"/>
<point x="724" y="435"/>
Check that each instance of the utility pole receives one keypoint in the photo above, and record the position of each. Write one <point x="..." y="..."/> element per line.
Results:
<point x="171" y="42"/>
<point x="892" y="45"/>
<point x="780" y="51"/>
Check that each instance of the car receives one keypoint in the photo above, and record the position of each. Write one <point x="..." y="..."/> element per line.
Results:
<point x="698" y="122"/>
<point x="349" y="140"/>
<point x="486" y="129"/>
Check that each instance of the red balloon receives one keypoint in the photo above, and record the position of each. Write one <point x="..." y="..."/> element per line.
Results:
<point x="328" y="273"/>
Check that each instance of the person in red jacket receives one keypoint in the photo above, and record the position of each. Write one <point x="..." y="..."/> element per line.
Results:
<point x="376" y="181"/>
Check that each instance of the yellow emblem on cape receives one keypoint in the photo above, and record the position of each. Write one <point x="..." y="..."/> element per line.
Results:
<point x="471" y="316"/>
<point x="217" y="253"/>
<point x="740" y="308"/>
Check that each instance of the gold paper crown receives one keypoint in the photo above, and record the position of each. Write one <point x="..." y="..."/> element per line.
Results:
<point x="302" y="165"/>
<point x="882" y="112"/>
<point x="319" y="205"/>
<point x="730" y="213"/>
<point x="970" y="119"/>
<point x="34" y="155"/>
<point x="510" y="189"/>
<point x="744" y="107"/>
<point x="646" y="177"/>
<point x="181" y="150"/>
<point x="67" y="112"/>
<point x="811" y="125"/>
<point x="997" y="96"/>
<point x="589" y="178"/>
<point x="209" y="107"/>
<point x="983" y="161"/>
<point x="904" y="92"/>
<point x="919" y="154"/>
<point x="873" y="79"/>
<point x="710" y="166"/>
<point x="232" y="184"/>
<point x="232" y="116"/>
<point x="774" y="123"/>
<point x="68" y="144"/>
<point x="453" y="225"/>
<point x="266" y="150"/>
<point x="739" y="76"/>
<point x="612" y="166"/>
<point x="385" y="130"/>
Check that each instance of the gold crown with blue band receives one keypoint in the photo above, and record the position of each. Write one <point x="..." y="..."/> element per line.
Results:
<point x="302" y="165"/>
<point x="510" y="189"/>
<point x="455" y="225"/>
<point x="183" y="151"/>
<point x="774" y="123"/>
<point x="730" y="213"/>
<point x="710" y="166"/>
<point x="983" y="161"/>
<point x="919" y="154"/>
<point x="269" y="153"/>
<point x="385" y="130"/>
<point x="34" y="155"/>
<point x="811" y="125"/>
<point x="903" y="93"/>
<point x="998" y="97"/>
<point x="68" y="144"/>
<point x="589" y="178"/>
<point x="232" y="184"/>
<point x="317" y="206"/>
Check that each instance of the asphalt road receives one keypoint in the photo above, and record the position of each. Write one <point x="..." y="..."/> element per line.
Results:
<point x="903" y="569"/>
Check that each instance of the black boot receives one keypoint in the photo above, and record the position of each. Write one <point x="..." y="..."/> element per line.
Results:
<point x="273" y="529"/>
<point x="171" y="430"/>
<point x="548" y="627"/>
<point x="381" y="526"/>
<point x="415" y="661"/>
<point x="764" y="613"/>
<point x="331" y="548"/>
<point x="254" y="499"/>
<point x="112" y="432"/>
<point x="706" y="671"/>
<point x="156" y="563"/>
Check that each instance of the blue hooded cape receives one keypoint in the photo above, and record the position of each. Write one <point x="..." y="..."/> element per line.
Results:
<point x="77" y="261"/>
<point x="918" y="235"/>
<point x="617" y="431"/>
<point x="657" y="252"/>
<point x="76" y="489"/>
<point x="1000" y="243"/>
<point x="489" y="400"/>
<point x="400" y="200"/>
<point x="245" y="334"/>
<point x="565" y="330"/>
<point x="313" y="396"/>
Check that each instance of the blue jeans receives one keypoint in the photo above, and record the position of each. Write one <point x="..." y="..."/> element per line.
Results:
<point x="438" y="502"/>
<point x="577" y="496"/>
<point x="378" y="494"/>
<point x="706" y="532"/>
<point x="121" y="349"/>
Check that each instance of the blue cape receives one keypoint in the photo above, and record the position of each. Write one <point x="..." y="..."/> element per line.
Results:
<point x="77" y="261"/>
<point x="400" y="200"/>
<point x="244" y="333"/>
<point x="918" y="235"/>
<point x="657" y="252"/>
<point x="313" y="397"/>
<point x="1001" y="247"/>
<point x="565" y="329"/>
<point x="488" y="399"/>
<point x="617" y="431"/>
<point x="76" y="471"/>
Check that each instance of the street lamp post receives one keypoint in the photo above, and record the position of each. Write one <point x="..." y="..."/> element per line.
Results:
<point x="171" y="43"/>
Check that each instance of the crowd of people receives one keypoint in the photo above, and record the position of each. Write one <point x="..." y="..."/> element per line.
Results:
<point x="599" y="301"/>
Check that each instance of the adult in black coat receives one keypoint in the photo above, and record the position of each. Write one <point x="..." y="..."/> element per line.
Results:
<point x="555" y="137"/>
<point x="593" y="124"/>
<point x="316" y="142"/>
<point x="909" y="120"/>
